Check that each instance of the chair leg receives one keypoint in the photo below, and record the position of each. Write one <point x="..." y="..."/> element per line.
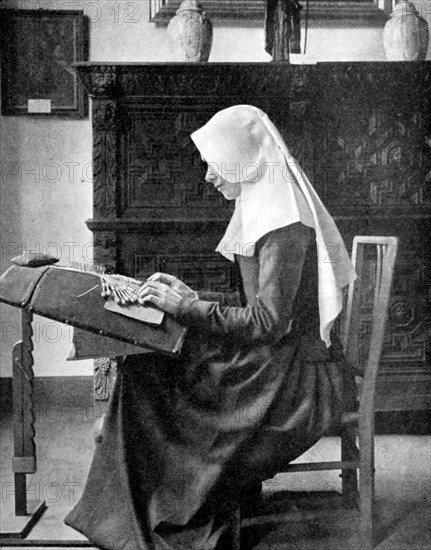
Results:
<point x="349" y="478"/>
<point x="366" y="492"/>
<point x="235" y="528"/>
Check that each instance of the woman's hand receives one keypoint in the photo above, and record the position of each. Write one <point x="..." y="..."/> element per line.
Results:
<point x="176" y="284"/>
<point x="165" y="291"/>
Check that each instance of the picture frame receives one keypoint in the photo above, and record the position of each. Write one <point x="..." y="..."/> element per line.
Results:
<point x="252" y="12"/>
<point x="38" y="48"/>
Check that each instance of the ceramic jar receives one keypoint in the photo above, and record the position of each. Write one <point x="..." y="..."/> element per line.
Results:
<point x="406" y="35"/>
<point x="190" y="33"/>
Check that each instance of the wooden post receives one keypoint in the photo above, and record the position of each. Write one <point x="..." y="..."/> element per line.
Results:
<point x="349" y="477"/>
<point x="24" y="459"/>
<point x="25" y="516"/>
<point x="235" y="528"/>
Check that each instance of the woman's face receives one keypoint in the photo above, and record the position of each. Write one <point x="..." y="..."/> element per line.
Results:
<point x="229" y="190"/>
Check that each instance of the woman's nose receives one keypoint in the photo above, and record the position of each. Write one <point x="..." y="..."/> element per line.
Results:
<point x="210" y="176"/>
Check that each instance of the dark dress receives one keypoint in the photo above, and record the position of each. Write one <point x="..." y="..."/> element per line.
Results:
<point x="254" y="388"/>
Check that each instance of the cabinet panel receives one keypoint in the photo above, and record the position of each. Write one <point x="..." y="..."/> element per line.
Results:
<point x="361" y="131"/>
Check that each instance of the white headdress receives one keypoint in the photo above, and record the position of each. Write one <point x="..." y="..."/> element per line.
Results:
<point x="243" y="145"/>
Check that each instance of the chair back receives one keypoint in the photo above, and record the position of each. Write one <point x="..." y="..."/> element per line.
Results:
<point x="366" y="313"/>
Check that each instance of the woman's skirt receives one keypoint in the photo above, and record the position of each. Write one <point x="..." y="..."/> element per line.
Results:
<point x="184" y="440"/>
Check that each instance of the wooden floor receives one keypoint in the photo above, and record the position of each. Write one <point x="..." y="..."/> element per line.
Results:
<point x="403" y="487"/>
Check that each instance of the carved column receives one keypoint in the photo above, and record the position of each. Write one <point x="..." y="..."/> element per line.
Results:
<point x="106" y="139"/>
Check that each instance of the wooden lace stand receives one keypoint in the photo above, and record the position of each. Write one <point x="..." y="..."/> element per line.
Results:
<point x="19" y="522"/>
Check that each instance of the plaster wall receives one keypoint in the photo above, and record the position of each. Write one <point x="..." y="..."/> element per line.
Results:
<point x="45" y="179"/>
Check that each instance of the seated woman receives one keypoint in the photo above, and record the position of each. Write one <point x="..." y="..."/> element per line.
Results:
<point x="259" y="380"/>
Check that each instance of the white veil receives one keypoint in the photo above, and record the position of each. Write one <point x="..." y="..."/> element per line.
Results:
<point x="243" y="145"/>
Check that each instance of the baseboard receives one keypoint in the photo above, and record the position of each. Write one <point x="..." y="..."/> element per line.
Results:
<point x="70" y="391"/>
<point x="403" y="422"/>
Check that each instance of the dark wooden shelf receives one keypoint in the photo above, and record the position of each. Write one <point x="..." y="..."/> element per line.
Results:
<point x="146" y="224"/>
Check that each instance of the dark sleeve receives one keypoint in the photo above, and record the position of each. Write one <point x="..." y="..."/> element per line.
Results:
<point x="222" y="298"/>
<point x="281" y="256"/>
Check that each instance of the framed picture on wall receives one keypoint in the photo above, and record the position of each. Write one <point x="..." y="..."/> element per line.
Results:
<point x="334" y="12"/>
<point x="37" y="50"/>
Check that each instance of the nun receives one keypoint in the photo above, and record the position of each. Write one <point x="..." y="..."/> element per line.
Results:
<point x="261" y="376"/>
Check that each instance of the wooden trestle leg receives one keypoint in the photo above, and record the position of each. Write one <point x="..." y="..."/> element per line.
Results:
<point x="24" y="459"/>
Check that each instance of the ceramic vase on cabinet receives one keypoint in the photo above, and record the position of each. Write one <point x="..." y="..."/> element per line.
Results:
<point x="406" y="35"/>
<point x="190" y="33"/>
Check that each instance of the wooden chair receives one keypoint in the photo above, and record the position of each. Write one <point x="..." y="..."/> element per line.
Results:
<point x="376" y="274"/>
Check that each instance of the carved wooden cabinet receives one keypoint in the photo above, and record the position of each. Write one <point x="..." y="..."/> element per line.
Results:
<point x="362" y="131"/>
